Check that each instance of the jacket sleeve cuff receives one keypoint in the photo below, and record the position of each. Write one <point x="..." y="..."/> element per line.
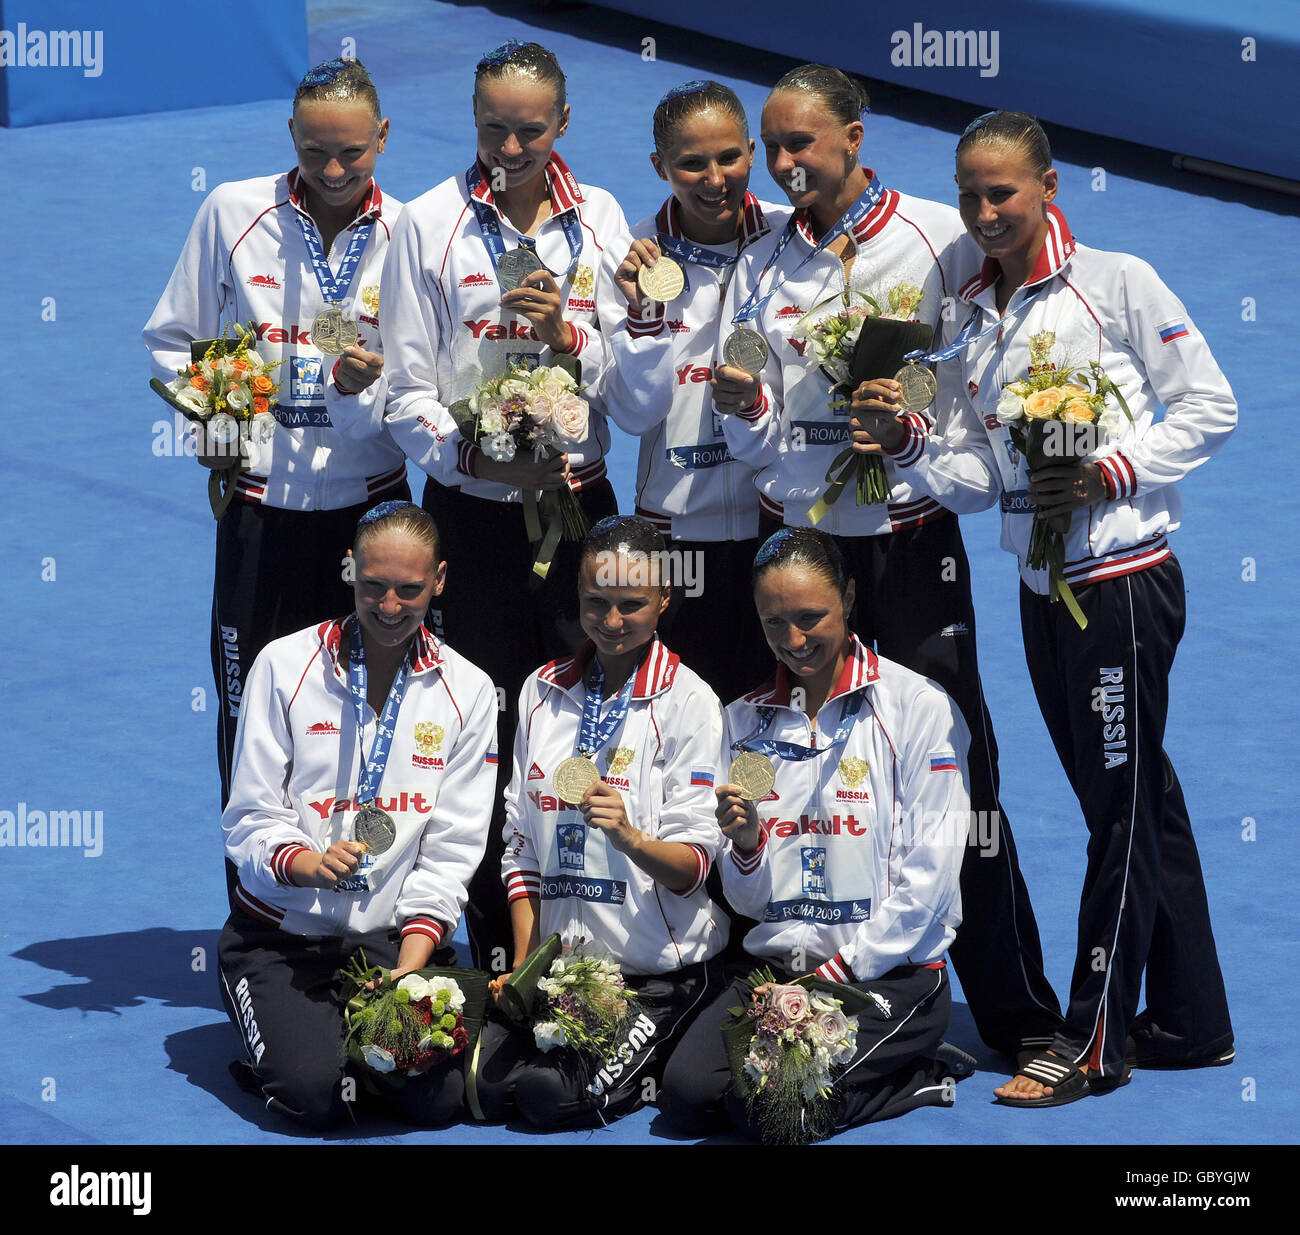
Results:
<point x="467" y="457"/>
<point x="423" y="926"/>
<point x="523" y="884"/>
<point x="909" y="448"/>
<point x="701" y="871"/>
<point x="1119" y="477"/>
<point x="748" y="863"/>
<point x="282" y="862"/>
<point x="580" y="340"/>
<point x="756" y="409"/>
<point x="836" y="970"/>
<point x="641" y="327"/>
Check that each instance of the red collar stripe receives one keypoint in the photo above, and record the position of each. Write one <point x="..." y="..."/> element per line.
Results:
<point x="655" y="673"/>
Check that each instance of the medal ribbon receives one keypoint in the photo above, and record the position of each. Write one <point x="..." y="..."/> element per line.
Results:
<point x="489" y="226"/>
<point x="385" y="726"/>
<point x="334" y="287"/>
<point x="854" y="215"/>
<point x="685" y="251"/>
<point x="594" y="734"/>
<point x="792" y="750"/>
<point x="966" y="339"/>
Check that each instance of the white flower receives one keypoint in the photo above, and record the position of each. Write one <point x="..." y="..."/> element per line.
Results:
<point x="415" y="986"/>
<point x="515" y="386"/>
<point x="569" y="418"/>
<point x="254" y="359"/>
<point x="223" y="429"/>
<point x="456" y="997"/>
<point x="261" y="429"/>
<point x="377" y="1059"/>
<point x="424" y="1043"/>
<point x="1011" y="407"/>
<point x="193" y="400"/>
<point x="1110" y="423"/>
<point x="499" y="446"/>
<point x="548" y="1035"/>
<point x="237" y="398"/>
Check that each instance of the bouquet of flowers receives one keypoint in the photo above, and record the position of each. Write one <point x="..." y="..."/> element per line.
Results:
<point x="836" y="342"/>
<point x="538" y="410"/>
<point x="785" y="1049"/>
<point x="402" y="1030"/>
<point x="228" y="388"/>
<point x="1059" y="415"/>
<point x="586" y="1004"/>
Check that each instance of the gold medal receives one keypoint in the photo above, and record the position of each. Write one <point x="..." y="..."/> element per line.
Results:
<point x="753" y="773"/>
<point x="664" y="281"/>
<point x="574" y="777"/>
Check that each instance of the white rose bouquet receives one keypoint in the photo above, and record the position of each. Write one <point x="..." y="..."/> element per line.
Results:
<point x="540" y="410"/>
<point x="229" y="390"/>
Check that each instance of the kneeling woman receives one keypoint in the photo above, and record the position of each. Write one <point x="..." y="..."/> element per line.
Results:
<point x="624" y="870"/>
<point x="367" y="711"/>
<point x="855" y="873"/>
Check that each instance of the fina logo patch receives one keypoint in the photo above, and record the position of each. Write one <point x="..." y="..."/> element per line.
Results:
<point x="571" y="838"/>
<point x="814" y="871"/>
<point x="307" y="380"/>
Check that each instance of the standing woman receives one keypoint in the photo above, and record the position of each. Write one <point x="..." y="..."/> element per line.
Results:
<point x="1042" y="299"/>
<point x="854" y="873"/>
<point x="280" y="251"/>
<point x="343" y="835"/>
<point x="447" y="325"/>
<point x="657" y="386"/>
<point x="850" y="232"/>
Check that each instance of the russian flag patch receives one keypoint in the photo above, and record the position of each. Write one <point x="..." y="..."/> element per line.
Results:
<point x="943" y="763"/>
<point x="702" y="778"/>
<point x="491" y="758"/>
<point x="1173" y="330"/>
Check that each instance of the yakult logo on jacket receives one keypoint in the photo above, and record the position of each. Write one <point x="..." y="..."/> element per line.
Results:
<point x="484" y="329"/>
<point x="804" y="825"/>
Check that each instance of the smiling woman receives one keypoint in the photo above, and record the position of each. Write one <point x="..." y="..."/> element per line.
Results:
<point x="325" y="871"/>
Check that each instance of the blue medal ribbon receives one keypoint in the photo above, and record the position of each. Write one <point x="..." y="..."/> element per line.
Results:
<point x="792" y="750"/>
<point x="594" y="734"/>
<point x="686" y="251"/>
<point x="334" y="287"/>
<point x="385" y="727"/>
<point x="966" y="339"/>
<point x="866" y="203"/>
<point x="489" y="226"/>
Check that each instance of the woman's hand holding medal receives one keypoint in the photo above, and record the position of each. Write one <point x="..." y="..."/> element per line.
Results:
<point x="642" y="256"/>
<point x="325" y="870"/>
<point x="602" y="808"/>
<point x="358" y="370"/>
<point x="538" y="298"/>
<point x="737" y="818"/>
<point x="875" y="408"/>
<point x="734" y="390"/>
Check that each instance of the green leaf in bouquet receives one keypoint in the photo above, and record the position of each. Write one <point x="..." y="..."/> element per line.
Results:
<point x="518" y="994"/>
<point x="465" y="419"/>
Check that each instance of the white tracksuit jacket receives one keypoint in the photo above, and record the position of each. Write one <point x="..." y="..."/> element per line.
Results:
<point x="657" y="388"/>
<point x="795" y="435"/>
<point x="1108" y="307"/>
<point x="245" y="259"/>
<point x="662" y="761"/>
<point x="296" y="769"/>
<point x="444" y="329"/>
<point x="860" y="854"/>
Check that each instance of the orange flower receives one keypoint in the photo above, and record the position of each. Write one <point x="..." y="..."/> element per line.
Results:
<point x="1042" y="403"/>
<point x="261" y="405"/>
<point x="199" y="382"/>
<point x="262" y="385"/>
<point x="239" y="365"/>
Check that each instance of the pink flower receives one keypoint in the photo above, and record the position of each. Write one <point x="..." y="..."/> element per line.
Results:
<point x="791" y="1002"/>
<point x="541" y="409"/>
<point x="569" y="418"/>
